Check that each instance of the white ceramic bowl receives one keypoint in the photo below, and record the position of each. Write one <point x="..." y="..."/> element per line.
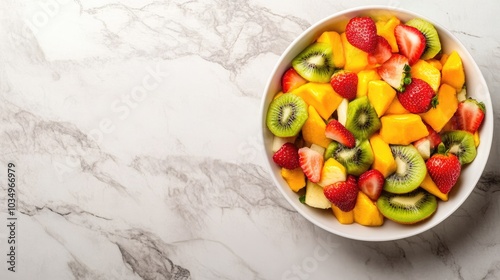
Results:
<point x="476" y="88"/>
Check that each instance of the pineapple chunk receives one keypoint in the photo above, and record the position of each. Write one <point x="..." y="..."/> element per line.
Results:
<point x="315" y="196"/>
<point x="332" y="172"/>
<point x="428" y="73"/>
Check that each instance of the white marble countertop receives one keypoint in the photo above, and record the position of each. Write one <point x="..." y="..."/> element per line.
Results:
<point x="134" y="128"/>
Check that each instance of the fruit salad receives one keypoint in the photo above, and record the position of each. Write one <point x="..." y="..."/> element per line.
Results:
<point x="374" y="122"/>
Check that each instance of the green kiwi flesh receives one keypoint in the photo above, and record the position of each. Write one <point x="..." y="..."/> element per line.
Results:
<point x="432" y="42"/>
<point x="410" y="170"/>
<point x="356" y="160"/>
<point x="460" y="143"/>
<point x="286" y="115"/>
<point x="362" y="119"/>
<point x="315" y="63"/>
<point x="407" y="208"/>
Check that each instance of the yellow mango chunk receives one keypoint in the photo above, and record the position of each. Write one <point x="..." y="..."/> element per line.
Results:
<point x="429" y="185"/>
<point x="344" y="218"/>
<point x="355" y="59"/>
<point x="366" y="212"/>
<point x="313" y="130"/>
<point x="453" y="71"/>
<point x="402" y="129"/>
<point x="333" y="39"/>
<point x="436" y="63"/>
<point x="332" y="172"/>
<point x="386" y="30"/>
<point x="444" y="58"/>
<point x="447" y="105"/>
<point x="396" y="108"/>
<point x="476" y="139"/>
<point x="321" y="96"/>
<point x="295" y="178"/>
<point x="383" y="159"/>
<point x="425" y="71"/>
<point x="364" y="77"/>
<point x="381" y="95"/>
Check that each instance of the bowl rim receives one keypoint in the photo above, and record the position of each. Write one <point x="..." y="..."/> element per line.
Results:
<point x="264" y="105"/>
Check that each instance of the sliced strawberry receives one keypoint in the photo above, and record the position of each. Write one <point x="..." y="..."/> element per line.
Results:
<point x="345" y="84"/>
<point x="427" y="144"/>
<point x="411" y="42"/>
<point x="361" y="32"/>
<point x="336" y="131"/>
<point x="382" y="52"/>
<point x="444" y="170"/>
<point x="311" y="163"/>
<point x="417" y="96"/>
<point x="396" y="72"/>
<point x="470" y="115"/>
<point x="371" y="183"/>
<point x="343" y="194"/>
<point x="291" y="80"/>
<point x="287" y="156"/>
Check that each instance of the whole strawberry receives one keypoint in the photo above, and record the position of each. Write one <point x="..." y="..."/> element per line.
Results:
<point x="345" y="84"/>
<point x="343" y="194"/>
<point x="444" y="170"/>
<point x="287" y="156"/>
<point x="361" y="32"/>
<point x="417" y="96"/>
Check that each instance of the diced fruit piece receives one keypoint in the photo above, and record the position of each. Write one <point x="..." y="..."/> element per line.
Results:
<point x="444" y="170"/>
<point x="402" y="129"/>
<point x="432" y="42"/>
<point x="332" y="172"/>
<point x="443" y="59"/>
<point x="477" y="139"/>
<point x="311" y="163"/>
<point x="342" y="111"/>
<point x="407" y="208"/>
<point x="315" y="196"/>
<point x="453" y="71"/>
<point x="279" y="141"/>
<point x="411" y="42"/>
<point x="356" y="160"/>
<point x="436" y="63"/>
<point x="460" y="143"/>
<point x="336" y="131"/>
<point x="318" y="149"/>
<point x="428" y="73"/>
<point x="383" y="159"/>
<point x="395" y="108"/>
<point x="286" y="115"/>
<point x="429" y="185"/>
<point x="427" y="144"/>
<point x="386" y="30"/>
<point x="344" y="218"/>
<point x="345" y="83"/>
<point x="342" y="194"/>
<point x="396" y="72"/>
<point x="295" y="178"/>
<point x="361" y="32"/>
<point x="287" y="156"/>
<point x="365" y="77"/>
<point x="320" y="96"/>
<point x="355" y="59"/>
<point x="277" y="95"/>
<point x="417" y="96"/>
<point x="382" y="52"/>
<point x="371" y="183"/>
<point x="410" y="170"/>
<point x="362" y="119"/>
<point x="313" y="130"/>
<point x="445" y="109"/>
<point x="315" y="63"/>
<point x="291" y="80"/>
<point x="462" y="94"/>
<point x="381" y="95"/>
<point x="333" y="39"/>
<point x="366" y="212"/>
<point x="470" y="115"/>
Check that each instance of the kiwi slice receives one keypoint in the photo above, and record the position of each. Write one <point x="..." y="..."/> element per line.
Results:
<point x="362" y="119"/>
<point x="315" y="63"/>
<point x="355" y="160"/>
<point x="461" y="143"/>
<point x="432" y="42"/>
<point x="407" y="208"/>
<point x="410" y="170"/>
<point x="286" y="115"/>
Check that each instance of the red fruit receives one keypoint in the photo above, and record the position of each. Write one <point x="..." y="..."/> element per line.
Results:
<point x="361" y="32"/>
<point x="311" y="163"/>
<point x="444" y="170"/>
<point x="343" y="194"/>
<point x="382" y="52"/>
<point x="336" y="131"/>
<point x="427" y="144"/>
<point x="291" y="80"/>
<point x="411" y="42"/>
<point x="470" y="115"/>
<point x="345" y="84"/>
<point x="417" y="96"/>
<point x="287" y="156"/>
<point x="371" y="183"/>
<point x="395" y="72"/>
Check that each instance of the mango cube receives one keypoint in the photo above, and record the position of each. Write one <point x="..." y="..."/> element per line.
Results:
<point x="427" y="72"/>
<point x="321" y="96"/>
<point x="386" y="30"/>
<point x="333" y="39"/>
<point x="366" y="212"/>
<point x="364" y="77"/>
<point x="313" y="130"/>
<point x="396" y="108"/>
<point x="295" y="178"/>
<point x="402" y="129"/>
<point x="355" y="59"/>
<point x="332" y="172"/>
<point x="383" y="158"/>
<point x="444" y="111"/>
<point x="429" y="185"/>
<point x="344" y="218"/>
<point x="453" y="71"/>
<point x="381" y="95"/>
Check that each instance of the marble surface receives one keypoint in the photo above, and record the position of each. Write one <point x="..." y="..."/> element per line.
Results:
<point x="134" y="128"/>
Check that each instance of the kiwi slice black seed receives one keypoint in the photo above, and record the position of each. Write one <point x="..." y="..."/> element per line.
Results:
<point x="356" y="160"/>
<point x="432" y="42"/>
<point x="315" y="63"/>
<point x="362" y="119"/>
<point x="407" y="208"/>
<point x="410" y="170"/>
<point x="286" y="115"/>
<point x="460" y="143"/>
